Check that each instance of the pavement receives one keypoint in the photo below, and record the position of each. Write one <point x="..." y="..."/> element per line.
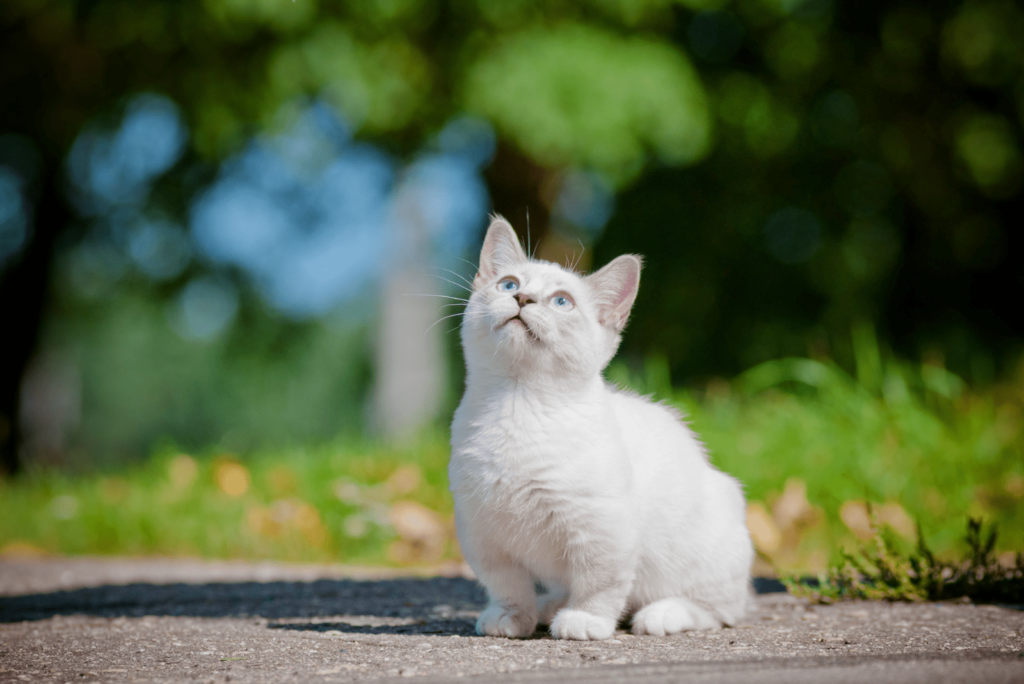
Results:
<point x="162" y="620"/>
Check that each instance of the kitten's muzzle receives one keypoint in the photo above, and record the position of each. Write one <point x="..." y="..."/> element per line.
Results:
<point x="522" y="299"/>
<point x="518" y="317"/>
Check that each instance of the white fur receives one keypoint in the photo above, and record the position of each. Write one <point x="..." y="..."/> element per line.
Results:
<point x="604" y="497"/>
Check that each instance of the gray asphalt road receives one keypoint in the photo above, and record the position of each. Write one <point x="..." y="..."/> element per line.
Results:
<point x="87" y="620"/>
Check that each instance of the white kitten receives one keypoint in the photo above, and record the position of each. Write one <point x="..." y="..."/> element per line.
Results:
<point x="604" y="497"/>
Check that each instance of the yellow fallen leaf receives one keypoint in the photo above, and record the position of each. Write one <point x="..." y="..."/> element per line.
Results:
<point x="232" y="478"/>
<point x="763" y="531"/>
<point x="22" y="549"/>
<point x="854" y="515"/>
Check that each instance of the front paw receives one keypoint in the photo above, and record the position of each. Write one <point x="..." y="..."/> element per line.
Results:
<point x="576" y="624"/>
<point x="671" y="616"/>
<point x="498" y="621"/>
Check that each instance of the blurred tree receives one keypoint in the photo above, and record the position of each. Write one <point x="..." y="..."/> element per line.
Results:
<point x="817" y="163"/>
<point x="396" y="70"/>
<point x="868" y="168"/>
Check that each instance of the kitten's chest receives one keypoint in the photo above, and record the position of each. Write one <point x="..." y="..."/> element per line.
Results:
<point x="532" y="454"/>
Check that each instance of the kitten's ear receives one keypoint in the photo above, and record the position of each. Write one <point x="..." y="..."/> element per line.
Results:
<point x="501" y="250"/>
<point x="615" y="287"/>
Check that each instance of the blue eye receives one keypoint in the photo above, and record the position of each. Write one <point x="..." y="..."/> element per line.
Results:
<point x="562" y="303"/>
<point x="508" y="285"/>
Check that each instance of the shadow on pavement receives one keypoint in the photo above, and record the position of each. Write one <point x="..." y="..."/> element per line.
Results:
<point x="417" y="602"/>
<point x="392" y="598"/>
<point x="460" y="626"/>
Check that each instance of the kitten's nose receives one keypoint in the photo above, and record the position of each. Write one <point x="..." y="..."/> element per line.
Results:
<point x="525" y="299"/>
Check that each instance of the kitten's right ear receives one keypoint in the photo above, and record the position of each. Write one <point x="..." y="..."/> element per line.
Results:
<point x="615" y="287"/>
<point x="500" y="251"/>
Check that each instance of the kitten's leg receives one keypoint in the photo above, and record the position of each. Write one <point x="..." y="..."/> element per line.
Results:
<point x="549" y="603"/>
<point x="672" y="615"/>
<point x="512" y="609"/>
<point x="600" y="559"/>
<point x="593" y="618"/>
<point x="596" y="601"/>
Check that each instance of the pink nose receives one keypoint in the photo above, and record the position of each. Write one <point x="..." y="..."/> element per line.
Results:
<point x="525" y="299"/>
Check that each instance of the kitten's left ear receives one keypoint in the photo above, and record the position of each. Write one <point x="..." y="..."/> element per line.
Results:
<point x="615" y="287"/>
<point x="501" y="250"/>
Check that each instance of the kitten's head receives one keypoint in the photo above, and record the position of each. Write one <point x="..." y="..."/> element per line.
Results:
<point x="534" y="318"/>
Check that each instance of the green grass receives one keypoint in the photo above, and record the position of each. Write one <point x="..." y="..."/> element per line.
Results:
<point x="815" y="448"/>
<point x="329" y="503"/>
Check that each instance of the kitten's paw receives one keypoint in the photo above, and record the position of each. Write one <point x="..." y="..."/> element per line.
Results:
<point x="576" y="624"/>
<point x="497" y="621"/>
<point x="670" y="616"/>
<point x="548" y="606"/>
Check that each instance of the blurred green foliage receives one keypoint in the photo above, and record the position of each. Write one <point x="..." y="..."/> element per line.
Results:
<point x="263" y="384"/>
<point x="579" y="96"/>
<point x="812" y="446"/>
<point x="792" y="170"/>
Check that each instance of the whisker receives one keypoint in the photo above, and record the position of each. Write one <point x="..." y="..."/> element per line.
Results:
<point x="422" y="294"/>
<point x="459" y="325"/>
<point x="533" y="253"/>
<point x="443" y="318"/>
<point x="450" y="282"/>
<point x="459" y="276"/>
<point x="500" y="342"/>
<point x="528" y="231"/>
<point x="582" y="251"/>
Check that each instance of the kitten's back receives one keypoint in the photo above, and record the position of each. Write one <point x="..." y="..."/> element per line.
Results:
<point x="681" y="501"/>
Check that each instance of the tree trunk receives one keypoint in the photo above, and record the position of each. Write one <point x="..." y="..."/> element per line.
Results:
<point x="24" y="291"/>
